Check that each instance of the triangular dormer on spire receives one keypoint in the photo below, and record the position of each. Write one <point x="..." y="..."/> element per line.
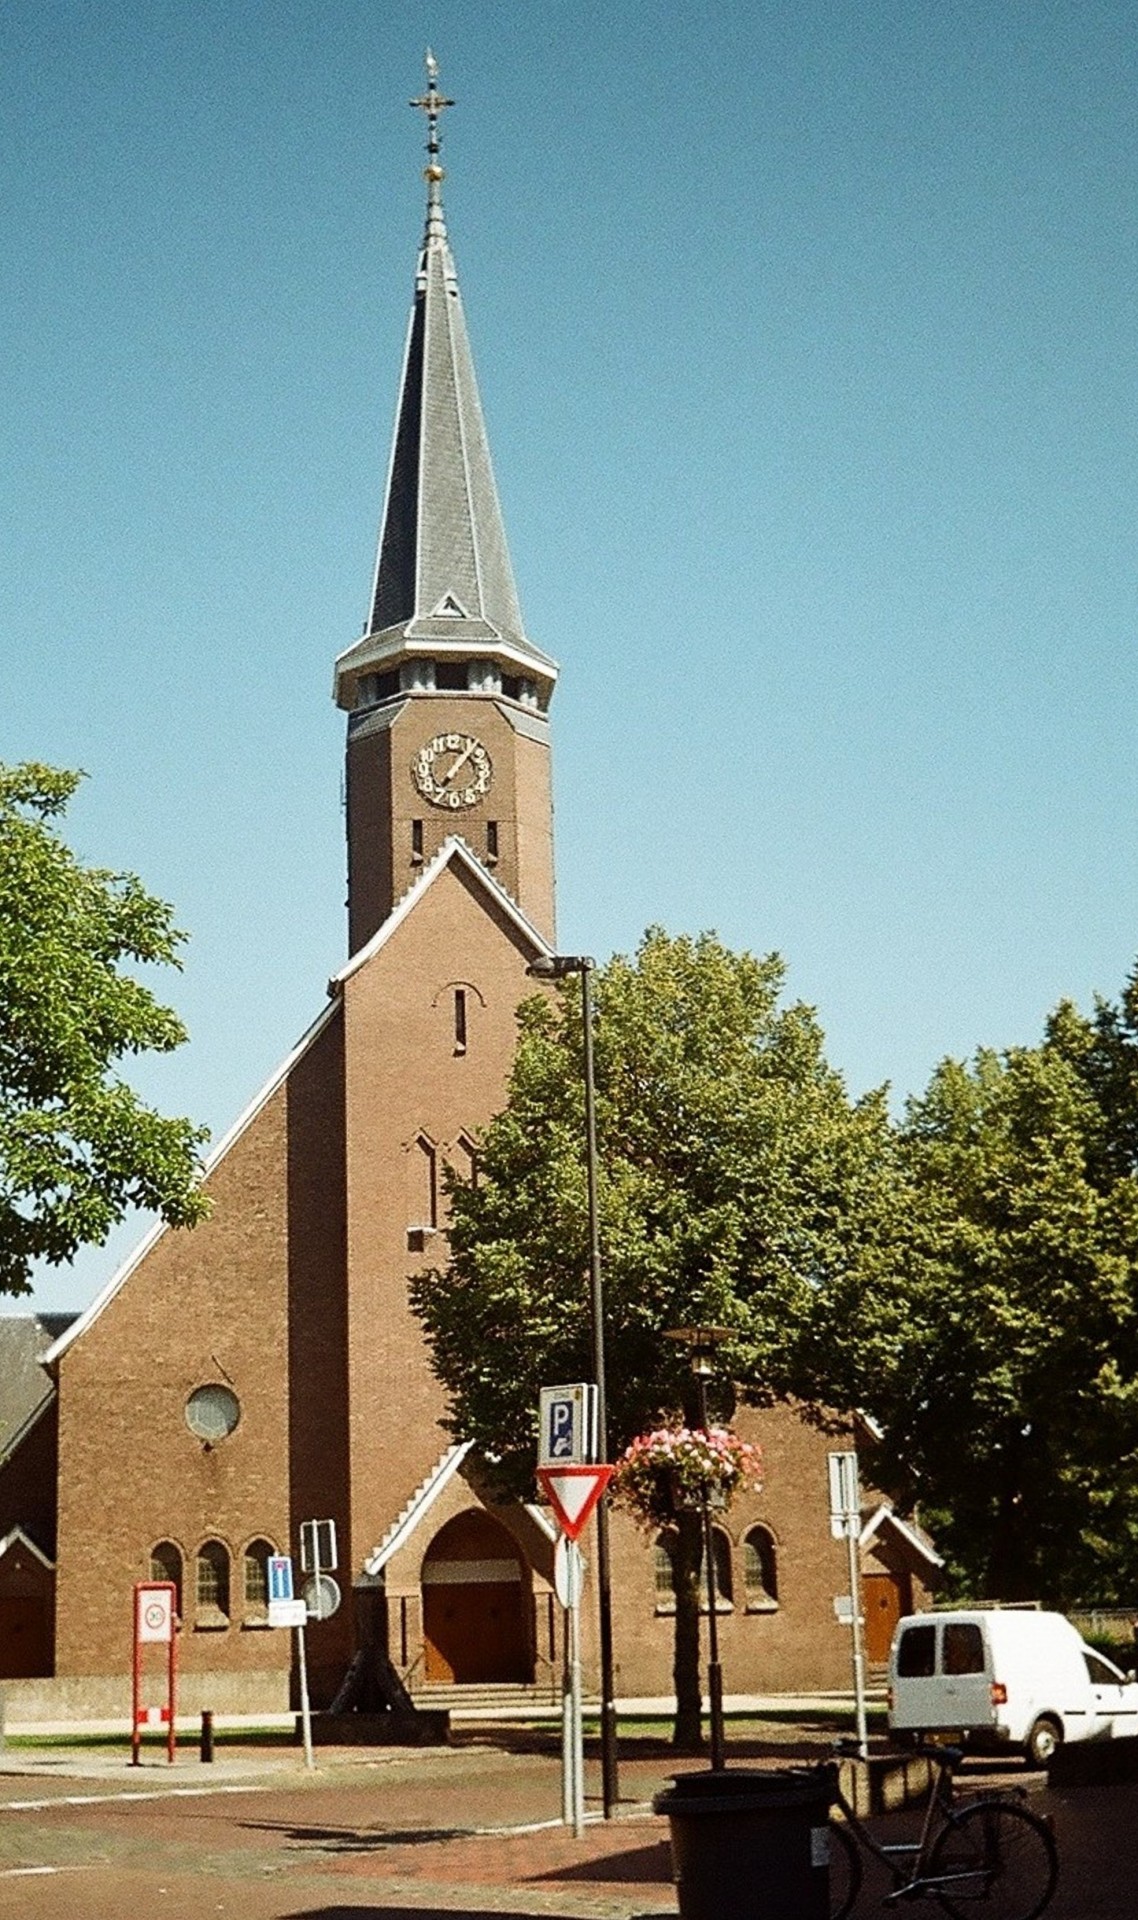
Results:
<point x="446" y="694"/>
<point x="441" y="541"/>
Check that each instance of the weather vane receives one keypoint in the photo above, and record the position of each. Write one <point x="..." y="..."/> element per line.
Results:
<point x="432" y="103"/>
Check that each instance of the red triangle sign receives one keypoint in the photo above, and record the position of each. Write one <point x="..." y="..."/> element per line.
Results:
<point x="573" y="1492"/>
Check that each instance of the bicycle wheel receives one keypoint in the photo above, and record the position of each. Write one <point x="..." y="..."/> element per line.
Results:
<point x="845" y="1871"/>
<point x="996" y="1858"/>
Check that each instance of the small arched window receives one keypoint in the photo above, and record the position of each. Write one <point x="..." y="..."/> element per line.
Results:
<point x="665" y="1573"/>
<point x="212" y="1585"/>
<point x="257" y="1556"/>
<point x="760" y="1569"/>
<point x="721" y="1548"/>
<point x="166" y="1564"/>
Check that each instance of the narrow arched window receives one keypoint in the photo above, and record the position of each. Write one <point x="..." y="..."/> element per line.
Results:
<point x="665" y="1573"/>
<point x="212" y="1585"/>
<point x="760" y="1569"/>
<point x="166" y="1564"/>
<point x="423" y="1173"/>
<point x="257" y="1556"/>
<point x="721" y="1548"/>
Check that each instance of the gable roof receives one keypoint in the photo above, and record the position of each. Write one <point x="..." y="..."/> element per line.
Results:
<point x="18" y="1538"/>
<point x="452" y="852"/>
<point x="887" y="1519"/>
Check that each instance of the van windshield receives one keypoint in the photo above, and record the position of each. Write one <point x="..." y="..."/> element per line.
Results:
<point x="916" y="1655"/>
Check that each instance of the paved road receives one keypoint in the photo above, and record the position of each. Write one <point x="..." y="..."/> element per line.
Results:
<point x="469" y="1830"/>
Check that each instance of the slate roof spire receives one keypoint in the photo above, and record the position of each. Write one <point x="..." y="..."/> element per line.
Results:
<point x="444" y="586"/>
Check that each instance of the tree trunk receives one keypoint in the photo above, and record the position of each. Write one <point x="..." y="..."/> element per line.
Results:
<point x="1011" y="1571"/>
<point x="687" y="1735"/>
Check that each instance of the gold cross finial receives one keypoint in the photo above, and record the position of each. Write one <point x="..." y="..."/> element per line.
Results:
<point x="432" y="103"/>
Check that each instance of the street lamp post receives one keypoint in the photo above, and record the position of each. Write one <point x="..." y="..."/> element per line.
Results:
<point x="701" y="1343"/>
<point x="556" y="966"/>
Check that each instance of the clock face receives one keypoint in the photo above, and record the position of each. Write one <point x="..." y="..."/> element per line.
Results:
<point x="453" y="770"/>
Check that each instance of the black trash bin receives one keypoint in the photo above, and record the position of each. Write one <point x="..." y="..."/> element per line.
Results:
<point x="750" y="1845"/>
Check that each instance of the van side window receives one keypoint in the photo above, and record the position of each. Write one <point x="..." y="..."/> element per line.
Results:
<point x="1102" y="1673"/>
<point x="916" y="1655"/>
<point x="963" y="1648"/>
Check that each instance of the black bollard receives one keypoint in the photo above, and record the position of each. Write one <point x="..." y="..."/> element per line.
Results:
<point x="207" y="1735"/>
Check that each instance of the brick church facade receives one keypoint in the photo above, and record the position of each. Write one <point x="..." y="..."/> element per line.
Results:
<point x="265" y="1369"/>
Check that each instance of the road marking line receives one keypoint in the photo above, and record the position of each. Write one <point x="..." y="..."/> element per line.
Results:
<point x="101" y="1799"/>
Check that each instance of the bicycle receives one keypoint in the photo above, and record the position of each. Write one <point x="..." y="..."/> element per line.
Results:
<point x="989" y="1858"/>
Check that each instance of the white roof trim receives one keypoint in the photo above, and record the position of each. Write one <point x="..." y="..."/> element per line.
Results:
<point x="885" y="1516"/>
<point x="135" y="1258"/>
<point x="541" y="1519"/>
<point x="17" y="1536"/>
<point x="402" y="1529"/>
<point x="452" y="849"/>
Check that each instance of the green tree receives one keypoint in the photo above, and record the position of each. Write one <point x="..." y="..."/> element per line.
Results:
<point x="1001" y="1352"/>
<point x="738" y="1184"/>
<point x="77" y="1146"/>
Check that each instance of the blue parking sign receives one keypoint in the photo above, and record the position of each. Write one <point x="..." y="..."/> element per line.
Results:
<point x="567" y="1425"/>
<point x="280" y="1577"/>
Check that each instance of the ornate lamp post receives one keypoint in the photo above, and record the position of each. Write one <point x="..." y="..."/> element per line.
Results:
<point x="701" y="1343"/>
<point x="556" y="966"/>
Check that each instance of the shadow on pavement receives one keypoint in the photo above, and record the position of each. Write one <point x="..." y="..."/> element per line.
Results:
<point x="452" y="1913"/>
<point x="356" y="1839"/>
<point x="653" y="1862"/>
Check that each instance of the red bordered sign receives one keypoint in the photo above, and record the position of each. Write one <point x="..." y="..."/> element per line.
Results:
<point x="573" y="1492"/>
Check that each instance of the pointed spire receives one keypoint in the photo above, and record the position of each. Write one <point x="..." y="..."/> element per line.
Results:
<point x="443" y="581"/>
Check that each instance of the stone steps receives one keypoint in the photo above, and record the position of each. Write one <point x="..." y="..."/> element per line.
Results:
<point x="503" y="1699"/>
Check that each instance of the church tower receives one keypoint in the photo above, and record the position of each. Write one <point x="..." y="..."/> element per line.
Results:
<point x="446" y="696"/>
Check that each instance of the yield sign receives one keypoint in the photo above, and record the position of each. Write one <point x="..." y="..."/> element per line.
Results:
<point x="573" y="1492"/>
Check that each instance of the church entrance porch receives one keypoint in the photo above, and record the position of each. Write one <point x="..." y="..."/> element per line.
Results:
<point x="475" y="1611"/>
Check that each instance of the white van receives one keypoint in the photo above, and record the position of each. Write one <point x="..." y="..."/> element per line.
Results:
<point x="1005" y="1677"/>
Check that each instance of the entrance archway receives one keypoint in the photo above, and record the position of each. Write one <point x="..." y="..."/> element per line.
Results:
<point x="474" y="1613"/>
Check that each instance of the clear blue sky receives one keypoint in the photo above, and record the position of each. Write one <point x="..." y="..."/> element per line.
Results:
<point x="807" y="337"/>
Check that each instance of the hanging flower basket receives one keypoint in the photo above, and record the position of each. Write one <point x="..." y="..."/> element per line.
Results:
<point x="674" y="1469"/>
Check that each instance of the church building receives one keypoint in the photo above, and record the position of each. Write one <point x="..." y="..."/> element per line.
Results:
<point x="265" y="1369"/>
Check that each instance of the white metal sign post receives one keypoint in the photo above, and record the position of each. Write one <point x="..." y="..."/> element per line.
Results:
<point x="285" y="1611"/>
<point x="568" y="1578"/>
<point x="845" y="1520"/>
<point x="572" y="1490"/>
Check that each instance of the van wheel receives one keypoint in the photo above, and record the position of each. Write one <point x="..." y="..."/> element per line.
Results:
<point x="1045" y="1736"/>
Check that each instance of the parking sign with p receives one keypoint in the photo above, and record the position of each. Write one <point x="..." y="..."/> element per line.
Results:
<point x="568" y="1425"/>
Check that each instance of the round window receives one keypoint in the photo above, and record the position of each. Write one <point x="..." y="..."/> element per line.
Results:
<point x="212" y="1412"/>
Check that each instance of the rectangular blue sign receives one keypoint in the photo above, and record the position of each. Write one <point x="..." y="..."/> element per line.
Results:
<point x="280" y="1577"/>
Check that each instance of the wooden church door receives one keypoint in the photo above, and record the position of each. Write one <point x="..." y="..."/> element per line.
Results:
<point x="474" y="1614"/>
<point x="885" y="1597"/>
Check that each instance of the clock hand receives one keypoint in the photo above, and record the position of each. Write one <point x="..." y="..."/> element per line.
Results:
<point x="460" y="762"/>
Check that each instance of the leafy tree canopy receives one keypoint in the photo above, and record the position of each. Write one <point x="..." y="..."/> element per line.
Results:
<point x="1002" y="1353"/>
<point x="738" y="1185"/>
<point x="77" y="1146"/>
